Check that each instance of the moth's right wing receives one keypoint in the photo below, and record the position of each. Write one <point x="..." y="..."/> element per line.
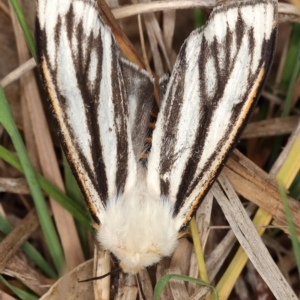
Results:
<point x="214" y="85"/>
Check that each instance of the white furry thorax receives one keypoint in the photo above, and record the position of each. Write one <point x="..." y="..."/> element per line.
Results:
<point x="138" y="229"/>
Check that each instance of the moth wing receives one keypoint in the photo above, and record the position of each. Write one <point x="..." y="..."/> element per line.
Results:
<point x="83" y="72"/>
<point x="214" y="84"/>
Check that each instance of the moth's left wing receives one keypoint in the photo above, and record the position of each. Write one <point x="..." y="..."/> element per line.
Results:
<point x="94" y="107"/>
<point x="216" y="79"/>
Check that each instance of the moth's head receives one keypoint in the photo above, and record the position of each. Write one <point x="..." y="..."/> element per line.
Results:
<point x="138" y="233"/>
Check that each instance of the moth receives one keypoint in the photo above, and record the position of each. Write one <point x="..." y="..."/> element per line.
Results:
<point x="101" y="105"/>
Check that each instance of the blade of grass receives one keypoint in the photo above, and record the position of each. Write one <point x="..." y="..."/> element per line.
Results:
<point x="295" y="243"/>
<point x="25" y="28"/>
<point x="165" y="279"/>
<point x="199" y="17"/>
<point x="290" y="57"/>
<point x="295" y="187"/>
<point x="199" y="253"/>
<point x="73" y="191"/>
<point x="198" y="250"/>
<point x="20" y="293"/>
<point x="291" y="166"/>
<point x="289" y="77"/>
<point x="50" y="189"/>
<point x="293" y="78"/>
<point x="29" y="250"/>
<point x="47" y="226"/>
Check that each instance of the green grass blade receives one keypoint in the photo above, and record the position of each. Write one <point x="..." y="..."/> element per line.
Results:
<point x="289" y="75"/>
<point x="295" y="187"/>
<point x="51" y="190"/>
<point x="292" y="229"/>
<point x="198" y="250"/>
<point x="25" y="28"/>
<point x="73" y="191"/>
<point x="162" y="282"/>
<point x="291" y="85"/>
<point x="290" y="57"/>
<point x="47" y="226"/>
<point x="29" y="250"/>
<point x="20" y="293"/>
<point x="199" y="17"/>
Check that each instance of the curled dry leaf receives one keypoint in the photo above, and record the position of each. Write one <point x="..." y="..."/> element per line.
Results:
<point x="69" y="285"/>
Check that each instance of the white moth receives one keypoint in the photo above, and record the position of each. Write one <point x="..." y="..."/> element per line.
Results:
<point x="102" y="103"/>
